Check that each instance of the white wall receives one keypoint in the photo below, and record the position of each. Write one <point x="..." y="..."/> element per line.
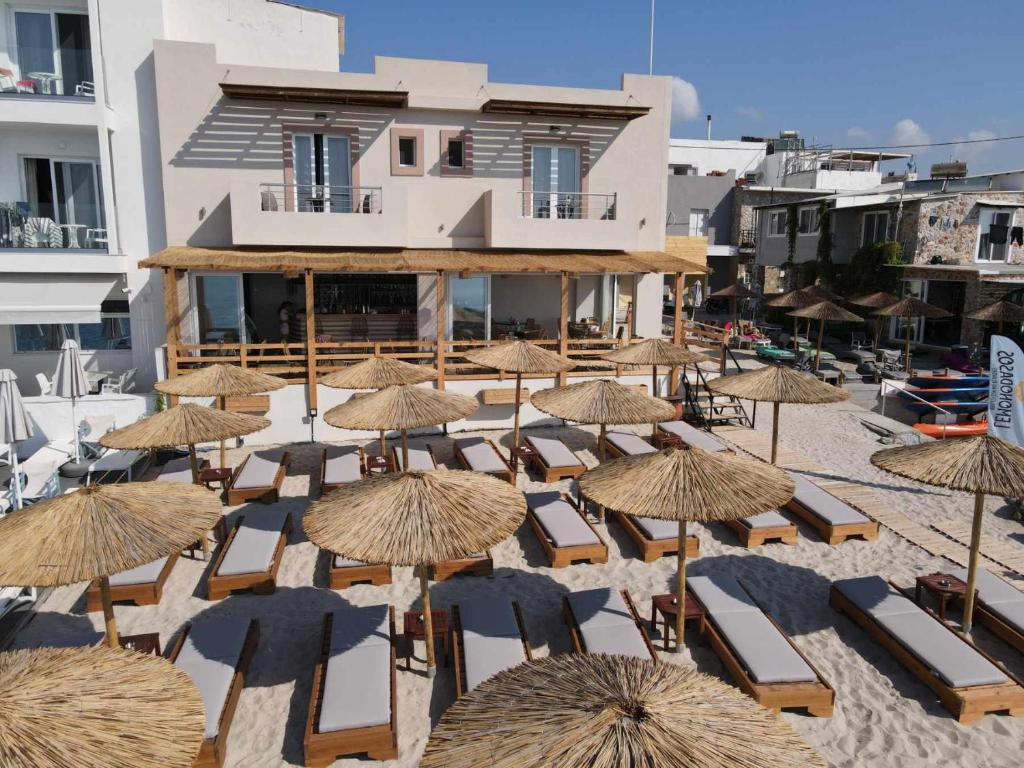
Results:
<point x="738" y="156"/>
<point x="52" y="420"/>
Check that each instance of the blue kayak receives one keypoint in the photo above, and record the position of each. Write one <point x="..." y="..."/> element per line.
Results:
<point x="971" y="407"/>
<point x="945" y="382"/>
<point x="971" y="393"/>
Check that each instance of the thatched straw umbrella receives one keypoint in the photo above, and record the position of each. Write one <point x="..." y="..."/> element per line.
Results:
<point x="908" y="309"/>
<point x="821" y="293"/>
<point x="417" y="519"/>
<point x="979" y="465"/>
<point x="998" y="312"/>
<point x="686" y="485"/>
<point x="379" y="373"/>
<point x="220" y="381"/>
<point x="96" y="707"/>
<point x="733" y="293"/>
<point x="794" y="300"/>
<point x="778" y="384"/>
<point x="589" y="711"/>
<point x="876" y="300"/>
<point x="519" y="357"/>
<point x="403" y="408"/>
<point x="825" y="311"/>
<point x="101" y="530"/>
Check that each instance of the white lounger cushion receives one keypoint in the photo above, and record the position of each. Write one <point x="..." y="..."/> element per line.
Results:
<point x="480" y="455"/>
<point x="252" y="548"/>
<point x="360" y="627"/>
<point x="346" y="562"/>
<point x="657" y="530"/>
<point x="420" y="459"/>
<point x="721" y="594"/>
<point x="761" y="647"/>
<point x="875" y="597"/>
<point x="210" y="655"/>
<point x="491" y="638"/>
<point x="766" y="520"/>
<point x="999" y="596"/>
<point x="117" y="461"/>
<point x="690" y="435"/>
<point x="357" y="681"/>
<point x="176" y="471"/>
<point x="600" y="609"/>
<point x="621" y="641"/>
<point x="629" y="444"/>
<point x="260" y="469"/>
<point x="554" y="452"/>
<point x="560" y="521"/>
<point x="143" y="574"/>
<point x="342" y="465"/>
<point x="823" y="504"/>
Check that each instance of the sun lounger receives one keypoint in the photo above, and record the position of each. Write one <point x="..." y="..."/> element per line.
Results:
<point x="999" y="606"/>
<point x="143" y="585"/>
<point x="41" y="472"/>
<point x="966" y="680"/>
<point x="340" y="465"/>
<point x="259" y="477"/>
<point x="180" y="470"/>
<point x="563" y="530"/>
<point x="251" y="556"/>
<point x="478" y="564"/>
<point x="480" y="455"/>
<point x="420" y="459"/>
<point x="681" y="433"/>
<point x="655" y="538"/>
<point x="115" y="466"/>
<point x="618" y="444"/>
<point x="768" y="526"/>
<point x="488" y="636"/>
<point x="760" y="656"/>
<point x="216" y="654"/>
<point x="344" y="572"/>
<point x="353" y="707"/>
<point x="605" y="621"/>
<point x="553" y="459"/>
<point x="833" y="519"/>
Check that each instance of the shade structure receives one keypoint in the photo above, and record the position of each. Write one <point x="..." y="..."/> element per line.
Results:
<point x="97" y="707"/>
<point x="15" y="425"/>
<point x="778" y="384"/>
<point x="416" y="518"/>
<point x="822" y="293"/>
<point x="71" y="383"/>
<point x="101" y="530"/>
<point x="999" y="312"/>
<point x="794" y="299"/>
<point x="519" y="357"/>
<point x="687" y="485"/>
<point x="909" y="308"/>
<point x="981" y="465"/>
<point x="598" y="711"/>
<point x="733" y="293"/>
<point x="876" y="300"/>
<point x="825" y="312"/>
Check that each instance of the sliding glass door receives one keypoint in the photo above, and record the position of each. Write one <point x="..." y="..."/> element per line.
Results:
<point x="218" y="312"/>
<point x="65" y="191"/>
<point x="54" y="51"/>
<point x="555" y="181"/>
<point x="469" y="308"/>
<point x="323" y="173"/>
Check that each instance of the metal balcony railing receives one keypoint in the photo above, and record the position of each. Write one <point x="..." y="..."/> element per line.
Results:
<point x="748" y="239"/>
<point x="568" y="205"/>
<point x="21" y="228"/>
<point x="319" y="198"/>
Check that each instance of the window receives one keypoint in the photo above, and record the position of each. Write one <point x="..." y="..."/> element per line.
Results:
<point x="66" y="192"/>
<point x="456" y="149"/>
<point x="53" y="51"/>
<point x="455" y="153"/>
<point x="875" y="229"/>
<point x="776" y="223"/>
<point x="112" y="333"/>
<point x="683" y="169"/>
<point x="323" y="173"/>
<point x="555" y="182"/>
<point x="994" y="234"/>
<point x="809" y="221"/>
<point x="699" y="221"/>
<point x="407" y="151"/>
<point x="469" y="308"/>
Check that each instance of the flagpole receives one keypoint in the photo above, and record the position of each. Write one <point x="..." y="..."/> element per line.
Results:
<point x="650" y="69"/>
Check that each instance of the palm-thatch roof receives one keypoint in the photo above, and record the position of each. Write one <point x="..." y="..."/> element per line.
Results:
<point x="416" y="518"/>
<point x="519" y="357"/>
<point x="985" y="464"/>
<point x="602" y="401"/>
<point x="656" y="352"/>
<point x="598" y="711"/>
<point x="734" y="291"/>
<point x="822" y="293"/>
<point x="378" y="373"/>
<point x="875" y="300"/>
<point x="401" y="407"/>
<point x="102" y="530"/>
<point x="687" y="484"/>
<point x="778" y="384"/>
<point x="185" y="424"/>
<point x="827" y="311"/>
<point x="95" y="708"/>
<point x="912" y="307"/>
<point x="998" y="312"/>
<point x="220" y="380"/>
<point x="797" y="298"/>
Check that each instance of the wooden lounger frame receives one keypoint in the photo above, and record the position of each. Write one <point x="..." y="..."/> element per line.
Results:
<point x="379" y="742"/>
<point x="968" y="705"/>
<point x="460" y="654"/>
<point x="653" y="549"/>
<point x="326" y="487"/>
<point x="560" y="557"/>
<point x="396" y="451"/>
<point x="755" y="537"/>
<point x="554" y="474"/>
<point x="612" y="451"/>
<point x="818" y="698"/>
<point x="148" y="593"/>
<point x="994" y="624"/>
<point x="577" y="637"/>
<point x="469" y="566"/>
<point x="665" y="439"/>
<point x="374" y="574"/>
<point x="268" y="494"/>
<point x="262" y="583"/>
<point x="834" y="534"/>
<point x="213" y="751"/>
<point x="507" y="474"/>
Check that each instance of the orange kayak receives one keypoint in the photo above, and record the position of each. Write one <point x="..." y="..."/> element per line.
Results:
<point x="963" y="429"/>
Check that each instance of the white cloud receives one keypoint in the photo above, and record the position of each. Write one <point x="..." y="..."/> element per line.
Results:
<point x="906" y="131"/>
<point x="685" y="104"/>
<point x="975" y="152"/>
<point x="751" y="113"/>
<point x="856" y="133"/>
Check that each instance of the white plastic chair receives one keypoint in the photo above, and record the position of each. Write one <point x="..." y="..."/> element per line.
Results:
<point x="124" y="382"/>
<point x="45" y="385"/>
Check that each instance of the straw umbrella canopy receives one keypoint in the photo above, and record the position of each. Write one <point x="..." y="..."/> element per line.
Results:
<point x="687" y="485"/>
<point x="733" y="293"/>
<point x="97" y="707"/>
<point x="980" y="465"/>
<point x="998" y="312"/>
<point x="876" y="300"/>
<point x="70" y="382"/>
<point x="821" y="293"/>
<point x="825" y="311"/>
<point x="519" y="357"/>
<point x="220" y="381"/>
<point x="794" y="300"/>
<point x="585" y="711"/>
<point x="15" y="425"/>
<point x="417" y="519"/>
<point x="909" y="308"/>
<point x="101" y="530"/>
<point x="402" y="407"/>
<point x="778" y="384"/>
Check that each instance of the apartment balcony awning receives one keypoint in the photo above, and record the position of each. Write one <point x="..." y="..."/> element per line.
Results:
<point x="35" y="298"/>
<point x="562" y="109"/>
<point x="689" y="259"/>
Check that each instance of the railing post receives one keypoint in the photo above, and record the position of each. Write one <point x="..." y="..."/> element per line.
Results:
<point x="563" y="324"/>
<point x="172" y="317"/>
<point x="243" y="355"/>
<point x="310" y="341"/>
<point x="439" y="314"/>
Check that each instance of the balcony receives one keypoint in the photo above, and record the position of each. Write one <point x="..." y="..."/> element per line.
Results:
<point x="274" y="214"/>
<point x="60" y="92"/>
<point x="556" y="220"/>
<point x="30" y="243"/>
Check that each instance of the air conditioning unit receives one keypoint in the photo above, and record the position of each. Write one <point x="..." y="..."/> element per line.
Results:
<point x="751" y="177"/>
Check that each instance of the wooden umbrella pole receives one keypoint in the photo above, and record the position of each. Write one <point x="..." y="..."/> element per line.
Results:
<point x="600" y="458"/>
<point x="654" y="393"/>
<point x="193" y="463"/>
<point x="383" y="445"/>
<point x="681" y="587"/>
<point x="821" y="335"/>
<point x="428" y="622"/>
<point x="405" y="449"/>
<point x="907" y="369"/>
<point x="972" y="565"/>
<point x="735" y="322"/>
<point x="775" y="431"/>
<point x="515" y="428"/>
<point x="108" y="613"/>
<point x="796" y="333"/>
<point x="223" y="444"/>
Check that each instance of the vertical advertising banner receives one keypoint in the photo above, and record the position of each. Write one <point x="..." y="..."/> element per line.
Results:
<point x="1006" y="391"/>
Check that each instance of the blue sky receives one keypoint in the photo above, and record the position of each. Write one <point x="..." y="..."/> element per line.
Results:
<point x="865" y="73"/>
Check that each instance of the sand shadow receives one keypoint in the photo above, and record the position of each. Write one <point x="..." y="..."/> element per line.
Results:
<point x="50" y="629"/>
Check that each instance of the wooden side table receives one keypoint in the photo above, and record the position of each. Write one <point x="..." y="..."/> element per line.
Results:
<point x="943" y="587"/>
<point x="521" y="453"/>
<point x="146" y="643"/>
<point x="414" y="630"/>
<point x="378" y="464"/>
<point x="668" y="607"/>
<point x="212" y="475"/>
